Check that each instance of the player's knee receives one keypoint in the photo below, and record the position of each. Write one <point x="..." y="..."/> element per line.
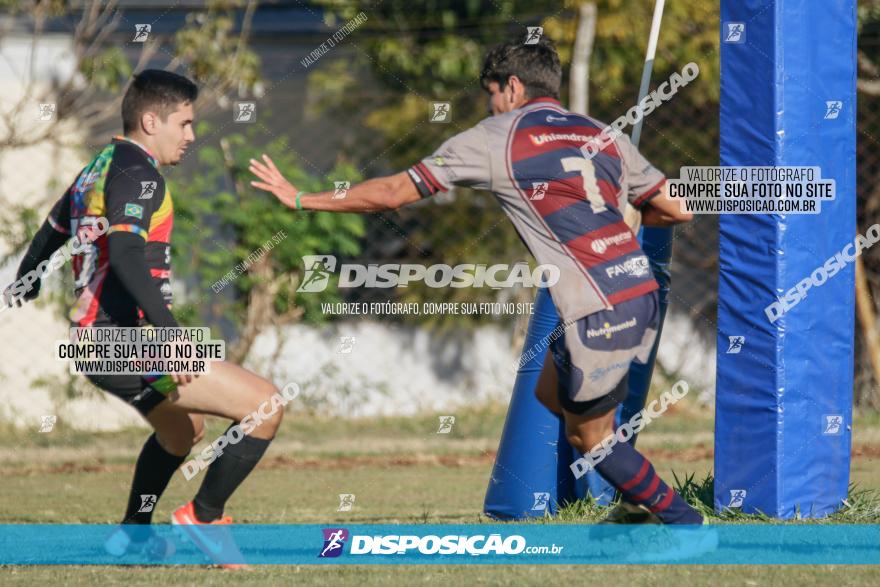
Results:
<point x="176" y="444"/>
<point x="198" y="423"/>
<point x="584" y="438"/>
<point x="270" y="407"/>
<point x="579" y="442"/>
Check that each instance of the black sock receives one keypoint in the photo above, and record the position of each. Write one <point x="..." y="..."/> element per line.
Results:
<point x="225" y="475"/>
<point x="154" y="469"/>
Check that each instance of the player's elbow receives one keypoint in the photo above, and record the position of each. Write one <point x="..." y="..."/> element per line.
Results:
<point x="400" y="191"/>
<point x="119" y="250"/>
<point x="679" y="217"/>
<point x="665" y="215"/>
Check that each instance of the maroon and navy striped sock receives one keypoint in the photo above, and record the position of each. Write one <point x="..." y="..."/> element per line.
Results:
<point x="634" y="476"/>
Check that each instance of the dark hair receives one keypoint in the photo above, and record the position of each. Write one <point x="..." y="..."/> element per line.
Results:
<point x="157" y="90"/>
<point x="536" y="65"/>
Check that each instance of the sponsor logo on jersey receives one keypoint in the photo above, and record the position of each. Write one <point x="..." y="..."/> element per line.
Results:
<point x="600" y="245"/>
<point x="601" y="372"/>
<point x="551" y="118"/>
<point x="549" y="137"/>
<point x="608" y="329"/>
<point x="635" y="267"/>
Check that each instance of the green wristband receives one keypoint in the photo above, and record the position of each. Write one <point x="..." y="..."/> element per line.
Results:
<point x="298" y="203"/>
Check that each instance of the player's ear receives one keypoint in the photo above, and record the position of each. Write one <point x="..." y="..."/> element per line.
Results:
<point x="149" y="122"/>
<point x="511" y="88"/>
<point x="517" y="89"/>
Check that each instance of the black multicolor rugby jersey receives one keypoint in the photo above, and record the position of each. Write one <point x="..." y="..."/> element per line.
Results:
<point x="123" y="184"/>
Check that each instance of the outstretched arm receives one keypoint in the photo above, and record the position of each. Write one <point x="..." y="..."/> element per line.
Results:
<point x="54" y="232"/>
<point x="372" y="195"/>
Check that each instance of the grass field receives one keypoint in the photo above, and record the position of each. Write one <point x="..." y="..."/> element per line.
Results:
<point x="401" y="471"/>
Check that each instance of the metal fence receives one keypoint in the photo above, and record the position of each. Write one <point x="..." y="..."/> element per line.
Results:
<point x="469" y="227"/>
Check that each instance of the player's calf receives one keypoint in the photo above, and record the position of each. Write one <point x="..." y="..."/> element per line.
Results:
<point x="176" y="432"/>
<point x="627" y="469"/>
<point x="256" y="408"/>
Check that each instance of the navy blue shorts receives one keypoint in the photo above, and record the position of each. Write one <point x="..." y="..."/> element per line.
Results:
<point x="593" y="355"/>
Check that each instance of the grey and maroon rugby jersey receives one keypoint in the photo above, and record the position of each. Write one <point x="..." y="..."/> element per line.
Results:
<point x="567" y="209"/>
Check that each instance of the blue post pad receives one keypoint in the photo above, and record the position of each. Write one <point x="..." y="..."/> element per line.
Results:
<point x="784" y="389"/>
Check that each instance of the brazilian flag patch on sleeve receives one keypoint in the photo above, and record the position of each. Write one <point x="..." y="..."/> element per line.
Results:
<point x="134" y="210"/>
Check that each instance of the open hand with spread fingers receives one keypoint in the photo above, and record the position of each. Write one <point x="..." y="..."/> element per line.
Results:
<point x="273" y="182"/>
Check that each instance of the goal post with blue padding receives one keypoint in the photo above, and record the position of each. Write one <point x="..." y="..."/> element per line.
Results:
<point x="784" y="402"/>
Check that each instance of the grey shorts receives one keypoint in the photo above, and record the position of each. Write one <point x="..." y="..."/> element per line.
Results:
<point x="593" y="355"/>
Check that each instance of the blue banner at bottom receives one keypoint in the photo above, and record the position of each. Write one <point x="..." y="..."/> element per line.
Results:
<point x="25" y="544"/>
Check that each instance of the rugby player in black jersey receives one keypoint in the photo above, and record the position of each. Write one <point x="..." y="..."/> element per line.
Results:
<point x="123" y="280"/>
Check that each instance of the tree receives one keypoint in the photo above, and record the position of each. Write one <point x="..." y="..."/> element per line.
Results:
<point x="241" y="252"/>
<point x="419" y="55"/>
<point x="206" y="49"/>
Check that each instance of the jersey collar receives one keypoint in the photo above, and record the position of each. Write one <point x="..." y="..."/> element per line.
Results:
<point x="149" y="153"/>
<point x="546" y="99"/>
